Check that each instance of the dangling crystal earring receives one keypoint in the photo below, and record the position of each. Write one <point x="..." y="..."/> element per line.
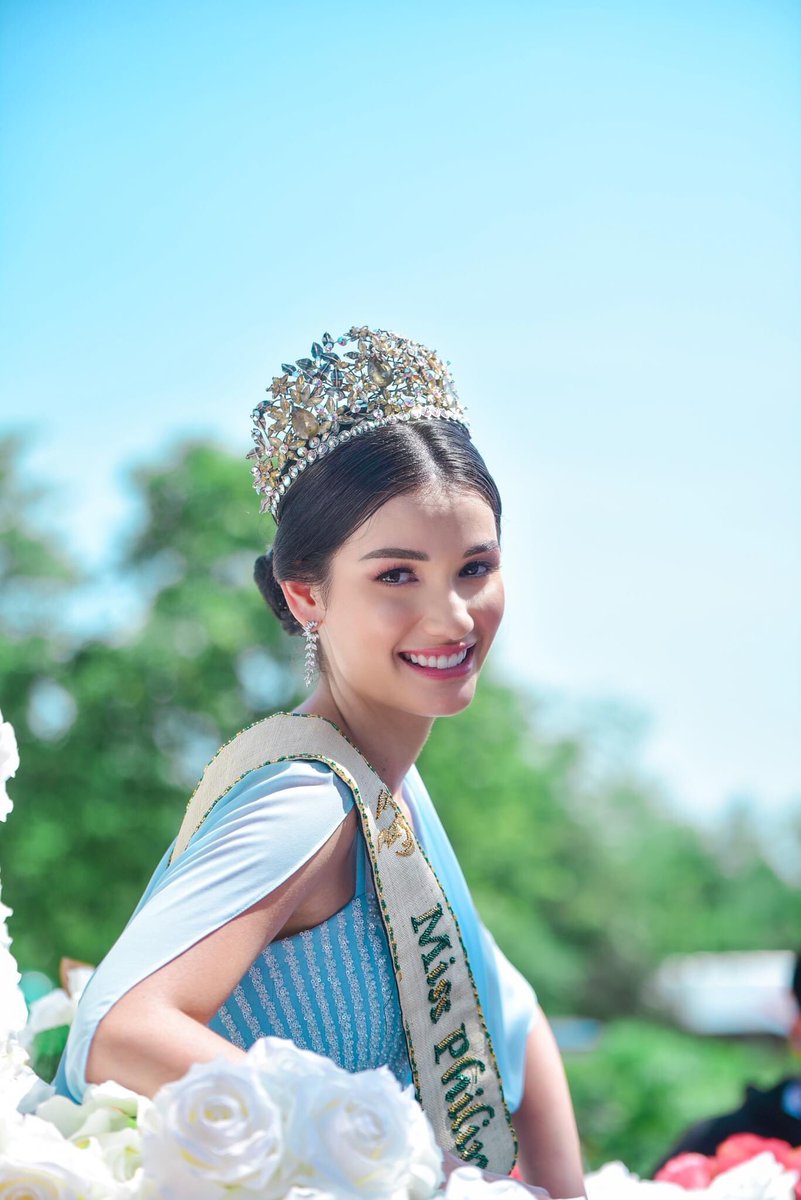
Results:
<point x="310" y="662"/>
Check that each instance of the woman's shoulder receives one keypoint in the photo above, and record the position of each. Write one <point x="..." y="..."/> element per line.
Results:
<point x="296" y="787"/>
<point x="269" y="822"/>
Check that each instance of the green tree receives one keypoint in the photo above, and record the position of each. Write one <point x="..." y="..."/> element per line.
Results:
<point x="98" y="804"/>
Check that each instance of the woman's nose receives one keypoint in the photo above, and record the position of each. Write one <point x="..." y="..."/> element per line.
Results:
<point x="448" y="617"/>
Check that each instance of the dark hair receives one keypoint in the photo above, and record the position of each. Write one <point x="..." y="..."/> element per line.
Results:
<point x="339" y="492"/>
<point x="795" y="986"/>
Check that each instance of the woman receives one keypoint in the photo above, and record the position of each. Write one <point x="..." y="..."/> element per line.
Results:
<point x="263" y="917"/>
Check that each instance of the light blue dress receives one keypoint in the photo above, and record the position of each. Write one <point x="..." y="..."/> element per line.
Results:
<point x="330" y="989"/>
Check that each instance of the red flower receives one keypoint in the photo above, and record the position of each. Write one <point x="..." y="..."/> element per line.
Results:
<point x="742" y="1146"/>
<point x="698" y="1171"/>
<point x="687" y="1170"/>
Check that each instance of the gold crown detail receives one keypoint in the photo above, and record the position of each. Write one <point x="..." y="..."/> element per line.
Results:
<point x="320" y="402"/>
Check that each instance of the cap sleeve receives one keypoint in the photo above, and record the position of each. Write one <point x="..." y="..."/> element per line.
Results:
<point x="509" y="1002"/>
<point x="515" y="1008"/>
<point x="255" y="837"/>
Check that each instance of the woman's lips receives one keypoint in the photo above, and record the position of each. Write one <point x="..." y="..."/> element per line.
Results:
<point x="440" y="662"/>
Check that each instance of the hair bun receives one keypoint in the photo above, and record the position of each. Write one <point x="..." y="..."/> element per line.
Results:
<point x="273" y="593"/>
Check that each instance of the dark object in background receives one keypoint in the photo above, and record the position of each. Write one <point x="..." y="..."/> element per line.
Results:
<point x="774" y="1112"/>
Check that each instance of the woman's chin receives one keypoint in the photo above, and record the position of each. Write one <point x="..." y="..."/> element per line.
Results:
<point x="457" y="701"/>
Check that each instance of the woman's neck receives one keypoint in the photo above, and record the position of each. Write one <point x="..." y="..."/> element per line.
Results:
<point x="390" y="740"/>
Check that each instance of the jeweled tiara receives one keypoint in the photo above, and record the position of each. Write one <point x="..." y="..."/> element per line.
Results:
<point x="320" y="402"/>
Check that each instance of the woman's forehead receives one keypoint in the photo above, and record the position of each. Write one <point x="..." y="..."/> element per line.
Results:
<point x="430" y="516"/>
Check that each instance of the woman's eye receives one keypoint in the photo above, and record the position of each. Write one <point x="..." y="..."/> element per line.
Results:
<point x="474" y="570"/>
<point x="396" y="575"/>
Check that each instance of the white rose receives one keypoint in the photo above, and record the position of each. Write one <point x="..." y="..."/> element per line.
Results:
<point x="759" y="1178"/>
<point x="425" y="1171"/>
<point x="468" y="1183"/>
<point x="5" y="913"/>
<point x="304" y="1193"/>
<point x="13" y="1009"/>
<point x="216" y="1132"/>
<point x="9" y="761"/>
<point x="13" y="1060"/>
<point x="106" y="1107"/>
<point x="615" y="1182"/>
<point x="105" y="1123"/>
<point x="121" y="1152"/>
<point x="362" y="1135"/>
<point x="41" y="1165"/>
<point x="283" y="1066"/>
<point x="16" y="1081"/>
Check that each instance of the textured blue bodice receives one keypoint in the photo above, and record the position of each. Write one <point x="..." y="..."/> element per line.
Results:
<point x="330" y="989"/>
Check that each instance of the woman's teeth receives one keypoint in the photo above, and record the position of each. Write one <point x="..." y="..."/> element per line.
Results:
<point x="440" y="661"/>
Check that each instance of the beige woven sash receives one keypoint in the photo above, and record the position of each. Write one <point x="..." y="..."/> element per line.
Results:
<point x="453" y="1064"/>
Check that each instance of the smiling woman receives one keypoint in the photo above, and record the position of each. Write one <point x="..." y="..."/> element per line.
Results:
<point x="384" y="632"/>
<point x="312" y="892"/>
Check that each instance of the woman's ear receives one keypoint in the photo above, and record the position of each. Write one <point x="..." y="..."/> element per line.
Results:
<point x="302" y="601"/>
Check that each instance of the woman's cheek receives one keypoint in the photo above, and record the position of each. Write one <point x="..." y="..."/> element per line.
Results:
<point x="393" y="606"/>
<point x="492" y="609"/>
<point x="491" y="602"/>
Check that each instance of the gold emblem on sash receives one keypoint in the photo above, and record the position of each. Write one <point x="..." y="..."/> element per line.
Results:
<point x="397" y="828"/>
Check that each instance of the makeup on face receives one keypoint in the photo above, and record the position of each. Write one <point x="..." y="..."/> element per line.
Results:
<point x="414" y="602"/>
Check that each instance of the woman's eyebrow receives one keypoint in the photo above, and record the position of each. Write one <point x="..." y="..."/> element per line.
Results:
<point x="420" y="556"/>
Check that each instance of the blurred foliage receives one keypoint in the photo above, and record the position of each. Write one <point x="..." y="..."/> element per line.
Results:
<point x="97" y="802"/>
<point x="585" y="880"/>
<point x="645" y="1084"/>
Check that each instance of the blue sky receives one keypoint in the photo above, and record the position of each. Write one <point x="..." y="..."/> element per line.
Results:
<point x="593" y="210"/>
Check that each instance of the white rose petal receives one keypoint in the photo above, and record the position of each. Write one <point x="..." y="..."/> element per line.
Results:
<point x="106" y="1107"/>
<point x="16" y="1081"/>
<point x="38" y="1180"/>
<point x="467" y="1183"/>
<point x="9" y="761"/>
<point x="425" y="1171"/>
<point x="282" y="1066"/>
<point x="13" y="1009"/>
<point x="121" y="1152"/>
<point x="361" y="1135"/>
<point x="48" y="1012"/>
<point x="216" y="1132"/>
<point x="106" y="1124"/>
<point x="759" y="1178"/>
<point x="614" y="1182"/>
<point x="41" y="1165"/>
<point x="304" y="1193"/>
<point x="38" y="1092"/>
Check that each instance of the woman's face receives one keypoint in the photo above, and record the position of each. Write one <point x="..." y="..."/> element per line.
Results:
<point x="413" y="602"/>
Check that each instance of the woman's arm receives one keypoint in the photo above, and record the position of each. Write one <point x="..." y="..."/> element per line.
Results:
<point x="157" y="1029"/>
<point x="550" y="1155"/>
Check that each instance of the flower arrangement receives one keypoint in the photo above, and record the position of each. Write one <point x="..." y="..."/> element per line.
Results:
<point x="758" y="1178"/>
<point x="282" y="1124"/>
<point x="285" y="1124"/>
<point x="692" y="1171"/>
